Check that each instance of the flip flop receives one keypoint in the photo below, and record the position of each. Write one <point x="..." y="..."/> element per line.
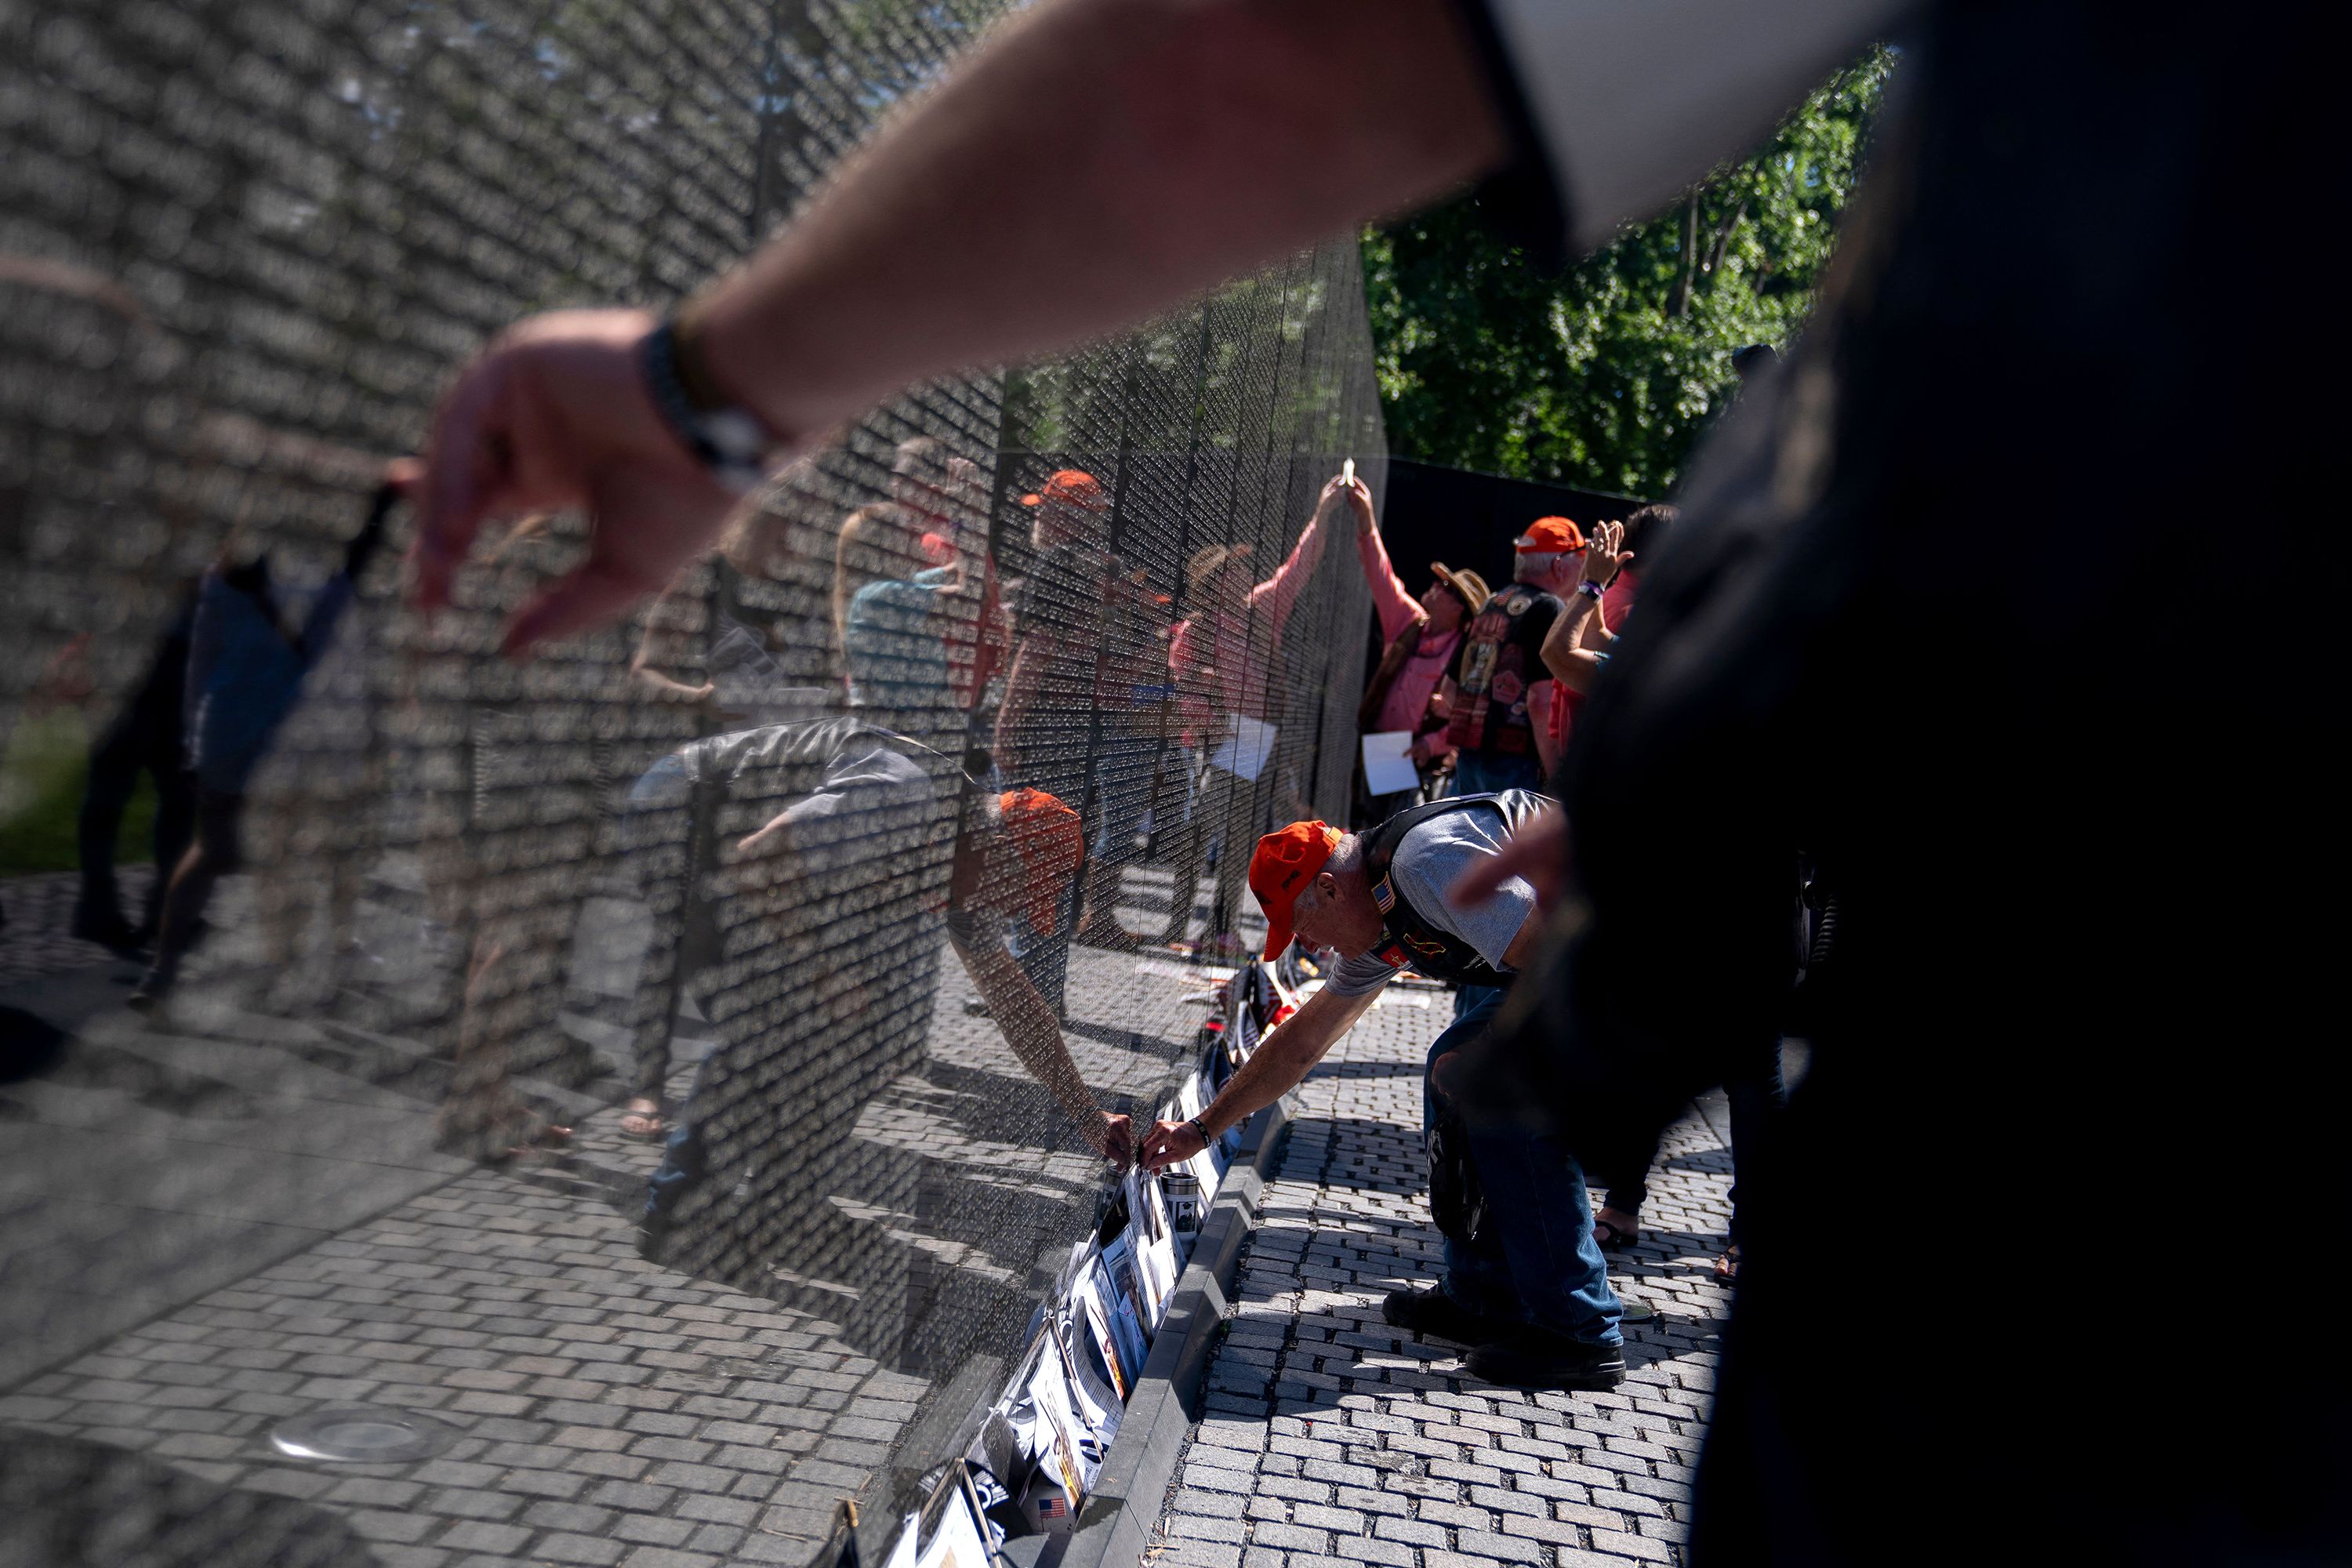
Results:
<point x="1611" y="1239"/>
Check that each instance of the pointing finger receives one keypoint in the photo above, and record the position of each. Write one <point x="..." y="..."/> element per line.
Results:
<point x="464" y="461"/>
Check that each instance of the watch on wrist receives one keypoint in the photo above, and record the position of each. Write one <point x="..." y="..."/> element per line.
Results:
<point x="1590" y="588"/>
<point x="734" y="442"/>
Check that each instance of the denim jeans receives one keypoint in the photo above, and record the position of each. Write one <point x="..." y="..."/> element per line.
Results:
<point x="1482" y="772"/>
<point x="1536" y="1261"/>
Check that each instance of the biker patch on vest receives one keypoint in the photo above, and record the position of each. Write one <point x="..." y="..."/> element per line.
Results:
<point x="1491" y="712"/>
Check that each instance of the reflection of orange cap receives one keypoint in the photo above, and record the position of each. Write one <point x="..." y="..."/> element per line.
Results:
<point x="1284" y="863"/>
<point x="1045" y="835"/>
<point x="1072" y="486"/>
<point x="1549" y="536"/>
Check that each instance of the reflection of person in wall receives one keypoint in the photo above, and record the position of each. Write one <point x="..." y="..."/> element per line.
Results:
<point x="245" y="670"/>
<point x="496" y="796"/>
<point x="886" y="619"/>
<point x="943" y="503"/>
<point x="145" y="737"/>
<point x="1221" y="658"/>
<point x="732" y="644"/>
<point x="822" y="897"/>
<point x="1082" y="698"/>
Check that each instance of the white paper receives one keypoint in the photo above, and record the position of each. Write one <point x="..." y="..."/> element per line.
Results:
<point x="1244" y="751"/>
<point x="1388" y="762"/>
<point x="957" y="1539"/>
<point x="1154" y="1243"/>
<point x="902" y="1550"/>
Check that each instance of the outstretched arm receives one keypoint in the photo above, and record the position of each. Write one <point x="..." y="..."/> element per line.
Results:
<point x="1137" y="112"/>
<point x="1284" y="1057"/>
<point x="1391" y="600"/>
<point x="1027" y="1022"/>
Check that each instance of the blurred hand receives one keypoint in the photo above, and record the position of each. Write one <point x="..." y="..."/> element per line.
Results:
<point x="1168" y="1143"/>
<point x="1358" y="497"/>
<point x="1445" y="1073"/>
<point x="1538" y="851"/>
<point x="554" y="414"/>
<point x="1605" y="555"/>
<point x="1419" y="752"/>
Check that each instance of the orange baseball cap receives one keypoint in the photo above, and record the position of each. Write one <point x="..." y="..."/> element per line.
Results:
<point x="1044" y="832"/>
<point x="1073" y="486"/>
<point x="1549" y="536"/>
<point x="1284" y="863"/>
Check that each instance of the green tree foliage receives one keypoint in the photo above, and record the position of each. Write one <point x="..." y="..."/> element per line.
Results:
<point x="1604" y="376"/>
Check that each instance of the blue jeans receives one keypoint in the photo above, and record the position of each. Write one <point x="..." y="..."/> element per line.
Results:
<point x="1487" y="773"/>
<point x="1535" y="1261"/>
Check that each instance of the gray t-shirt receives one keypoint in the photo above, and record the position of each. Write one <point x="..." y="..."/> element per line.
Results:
<point x="1425" y="865"/>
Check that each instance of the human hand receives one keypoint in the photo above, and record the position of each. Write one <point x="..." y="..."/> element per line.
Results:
<point x="1358" y="497"/>
<point x="1445" y="1074"/>
<point x="1113" y="1137"/>
<point x="555" y="413"/>
<point x="1170" y="1142"/>
<point x="1538" y="851"/>
<point x="1419" y="752"/>
<point x="1605" y="555"/>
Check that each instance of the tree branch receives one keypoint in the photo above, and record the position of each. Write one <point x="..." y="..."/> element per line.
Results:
<point x="1680" y="304"/>
<point x="1723" y="237"/>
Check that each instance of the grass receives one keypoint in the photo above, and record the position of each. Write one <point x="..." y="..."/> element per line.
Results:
<point x="42" y="773"/>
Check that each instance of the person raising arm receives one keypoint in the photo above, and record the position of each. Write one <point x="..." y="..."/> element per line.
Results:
<point x="1578" y="644"/>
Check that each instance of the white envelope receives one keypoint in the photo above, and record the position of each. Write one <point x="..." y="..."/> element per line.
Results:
<point x="1245" y="750"/>
<point x="1388" y="762"/>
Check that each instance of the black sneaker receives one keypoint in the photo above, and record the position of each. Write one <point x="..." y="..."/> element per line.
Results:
<point x="1538" y="1358"/>
<point x="1436" y="1313"/>
<point x="104" y="928"/>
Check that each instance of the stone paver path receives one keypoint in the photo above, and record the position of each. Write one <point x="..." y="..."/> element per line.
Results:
<point x="1331" y="1437"/>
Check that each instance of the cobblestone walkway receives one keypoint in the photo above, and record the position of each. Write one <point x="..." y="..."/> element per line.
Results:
<point x="247" y="1222"/>
<point x="1330" y="1438"/>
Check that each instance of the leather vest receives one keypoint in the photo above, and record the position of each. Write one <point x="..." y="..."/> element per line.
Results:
<point x="1493" y="676"/>
<point x="1407" y="938"/>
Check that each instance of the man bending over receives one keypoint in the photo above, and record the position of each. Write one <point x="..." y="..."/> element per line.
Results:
<point x="1525" y="1284"/>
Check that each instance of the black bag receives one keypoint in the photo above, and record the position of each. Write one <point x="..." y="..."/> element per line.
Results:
<point x="1457" y="1202"/>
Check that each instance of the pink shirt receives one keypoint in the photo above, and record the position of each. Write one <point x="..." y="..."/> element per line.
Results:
<point x="1408" y="695"/>
<point x="1220" y="659"/>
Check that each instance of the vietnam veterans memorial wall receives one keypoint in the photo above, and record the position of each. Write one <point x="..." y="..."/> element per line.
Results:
<point x="885" y="860"/>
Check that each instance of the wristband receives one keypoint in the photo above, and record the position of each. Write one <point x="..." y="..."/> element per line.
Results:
<point x="731" y="441"/>
<point x="1194" y="1124"/>
<point x="1590" y="589"/>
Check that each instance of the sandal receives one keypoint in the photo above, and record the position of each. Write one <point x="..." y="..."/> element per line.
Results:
<point x="1611" y="1239"/>
<point x="643" y="1118"/>
<point x="1727" y="1268"/>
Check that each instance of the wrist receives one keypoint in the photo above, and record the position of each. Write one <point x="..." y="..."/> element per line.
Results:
<point x="1202" y="1127"/>
<point x="734" y="442"/>
<point x="1590" y="589"/>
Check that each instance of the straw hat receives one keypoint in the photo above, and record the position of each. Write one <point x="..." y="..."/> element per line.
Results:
<point x="1468" y="585"/>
